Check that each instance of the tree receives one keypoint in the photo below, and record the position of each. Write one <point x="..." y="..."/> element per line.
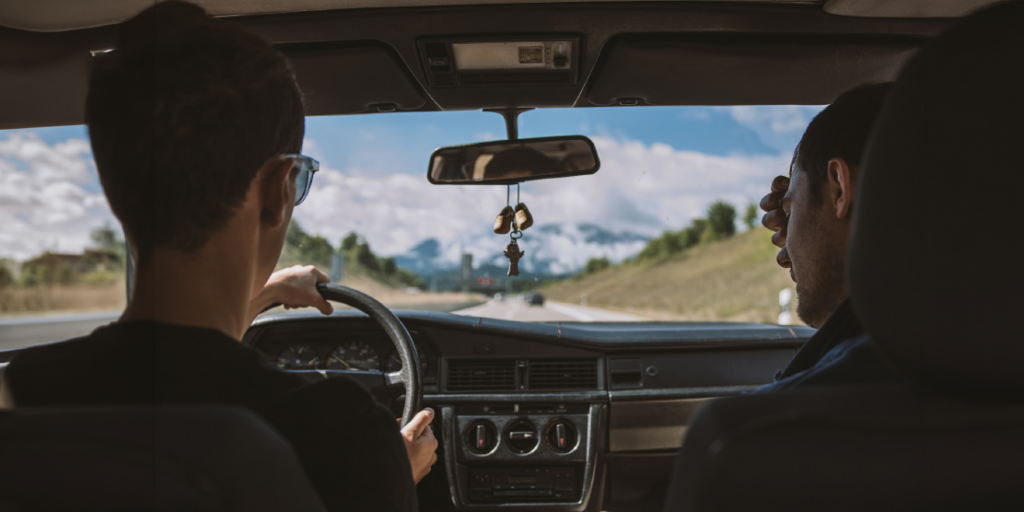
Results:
<point x="366" y="257"/>
<point x="6" y="276"/>
<point x="295" y="235"/>
<point x="389" y="266"/>
<point x="722" y="219"/>
<point x="317" y="251"/>
<point x="750" y="216"/>
<point x="350" y="242"/>
<point x="595" y="265"/>
<point x="109" y="239"/>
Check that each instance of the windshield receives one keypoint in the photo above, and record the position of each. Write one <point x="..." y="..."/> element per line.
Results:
<point x="661" y="232"/>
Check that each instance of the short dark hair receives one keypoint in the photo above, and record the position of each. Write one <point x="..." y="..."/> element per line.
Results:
<point x="182" y="114"/>
<point x="839" y="131"/>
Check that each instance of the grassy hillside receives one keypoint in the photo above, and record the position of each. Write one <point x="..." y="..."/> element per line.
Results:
<point x="735" y="279"/>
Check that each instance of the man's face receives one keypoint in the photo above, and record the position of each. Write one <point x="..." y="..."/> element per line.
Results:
<point x="816" y="246"/>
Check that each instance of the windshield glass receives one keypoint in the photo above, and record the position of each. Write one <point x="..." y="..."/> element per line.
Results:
<point x="661" y="232"/>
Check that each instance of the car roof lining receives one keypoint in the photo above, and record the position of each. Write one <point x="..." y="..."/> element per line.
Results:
<point x="354" y="60"/>
<point x="60" y="15"/>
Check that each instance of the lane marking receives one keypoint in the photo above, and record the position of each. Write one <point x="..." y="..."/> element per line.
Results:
<point x="566" y="310"/>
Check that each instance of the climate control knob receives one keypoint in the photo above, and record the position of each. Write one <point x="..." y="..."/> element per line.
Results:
<point x="480" y="437"/>
<point x="561" y="436"/>
<point x="521" y="436"/>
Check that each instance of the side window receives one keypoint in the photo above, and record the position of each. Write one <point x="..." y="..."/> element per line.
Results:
<point x="62" y="252"/>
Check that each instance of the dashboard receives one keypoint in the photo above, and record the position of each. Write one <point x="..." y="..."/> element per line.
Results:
<point x="541" y="416"/>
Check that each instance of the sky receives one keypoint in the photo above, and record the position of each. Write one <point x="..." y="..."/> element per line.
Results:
<point x="661" y="167"/>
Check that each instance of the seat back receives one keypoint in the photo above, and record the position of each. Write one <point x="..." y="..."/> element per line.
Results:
<point x="169" y="458"/>
<point x="881" y="449"/>
<point x="935" y="277"/>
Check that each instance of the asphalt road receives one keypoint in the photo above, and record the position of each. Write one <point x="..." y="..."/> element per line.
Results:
<point x="25" y="331"/>
<point x="21" y="332"/>
<point x="513" y="309"/>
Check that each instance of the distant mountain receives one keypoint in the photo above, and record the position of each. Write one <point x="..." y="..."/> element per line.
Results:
<point x="551" y="250"/>
<point x="425" y="258"/>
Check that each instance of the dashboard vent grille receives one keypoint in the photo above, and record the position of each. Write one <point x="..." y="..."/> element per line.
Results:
<point x="479" y="375"/>
<point x="563" y="374"/>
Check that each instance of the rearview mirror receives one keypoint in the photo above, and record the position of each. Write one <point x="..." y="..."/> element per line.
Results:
<point x="512" y="161"/>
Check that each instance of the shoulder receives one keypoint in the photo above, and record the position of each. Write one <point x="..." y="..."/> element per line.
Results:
<point x="853" y="361"/>
<point x="42" y="357"/>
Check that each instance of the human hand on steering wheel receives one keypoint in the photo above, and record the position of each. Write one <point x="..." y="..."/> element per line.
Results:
<point x="420" y="443"/>
<point x="293" y="287"/>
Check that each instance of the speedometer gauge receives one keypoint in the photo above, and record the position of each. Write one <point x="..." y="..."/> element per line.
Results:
<point x="355" y="355"/>
<point x="298" y="356"/>
<point x="393" y="362"/>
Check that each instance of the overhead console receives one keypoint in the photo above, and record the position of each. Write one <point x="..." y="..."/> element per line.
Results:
<point x="462" y="62"/>
<point x="522" y="67"/>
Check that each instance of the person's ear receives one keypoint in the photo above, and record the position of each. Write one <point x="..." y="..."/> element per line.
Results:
<point x="841" y="186"/>
<point x="278" y="191"/>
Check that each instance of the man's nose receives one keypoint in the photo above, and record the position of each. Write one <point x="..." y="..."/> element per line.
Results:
<point x="783" y="258"/>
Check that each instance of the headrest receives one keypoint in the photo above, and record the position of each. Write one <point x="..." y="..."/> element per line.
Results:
<point x="936" y="260"/>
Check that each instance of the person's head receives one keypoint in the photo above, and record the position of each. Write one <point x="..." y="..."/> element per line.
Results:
<point x="819" y="203"/>
<point x="187" y="117"/>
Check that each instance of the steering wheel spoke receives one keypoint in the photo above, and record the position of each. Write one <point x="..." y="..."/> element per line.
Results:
<point x="394" y="378"/>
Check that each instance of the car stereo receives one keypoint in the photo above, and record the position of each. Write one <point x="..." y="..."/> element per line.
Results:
<point x="522" y="483"/>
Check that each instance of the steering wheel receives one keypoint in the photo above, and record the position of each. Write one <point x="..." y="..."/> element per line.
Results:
<point x="409" y="375"/>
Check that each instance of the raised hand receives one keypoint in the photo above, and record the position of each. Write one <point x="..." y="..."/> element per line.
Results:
<point x="776" y="219"/>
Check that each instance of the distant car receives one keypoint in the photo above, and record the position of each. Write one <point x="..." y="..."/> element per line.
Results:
<point x="498" y="297"/>
<point x="535" y="299"/>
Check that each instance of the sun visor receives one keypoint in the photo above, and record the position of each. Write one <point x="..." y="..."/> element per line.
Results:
<point x="353" y="79"/>
<point x="720" y="71"/>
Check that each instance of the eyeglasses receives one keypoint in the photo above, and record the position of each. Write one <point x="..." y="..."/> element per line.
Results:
<point x="307" y="166"/>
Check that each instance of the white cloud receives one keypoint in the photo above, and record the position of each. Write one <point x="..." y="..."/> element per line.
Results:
<point x="45" y="203"/>
<point x="778" y="126"/>
<point x="484" y="136"/>
<point x="640" y="188"/>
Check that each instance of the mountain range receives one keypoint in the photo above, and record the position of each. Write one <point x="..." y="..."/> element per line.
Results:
<point x="551" y="250"/>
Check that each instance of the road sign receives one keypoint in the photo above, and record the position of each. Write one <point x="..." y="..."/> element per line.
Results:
<point x="485" y="281"/>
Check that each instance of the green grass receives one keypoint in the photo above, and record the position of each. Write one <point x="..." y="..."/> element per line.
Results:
<point x="735" y="279"/>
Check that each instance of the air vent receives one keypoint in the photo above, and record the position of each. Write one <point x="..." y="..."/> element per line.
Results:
<point x="563" y="374"/>
<point x="478" y="375"/>
<point x="443" y="79"/>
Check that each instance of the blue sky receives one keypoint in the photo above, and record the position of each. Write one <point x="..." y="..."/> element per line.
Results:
<point x="662" y="166"/>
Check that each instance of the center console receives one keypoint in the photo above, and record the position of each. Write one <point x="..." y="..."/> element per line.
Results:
<point x="527" y="454"/>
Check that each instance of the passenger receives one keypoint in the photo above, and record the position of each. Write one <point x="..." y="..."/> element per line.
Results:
<point x="811" y="212"/>
<point x="194" y="125"/>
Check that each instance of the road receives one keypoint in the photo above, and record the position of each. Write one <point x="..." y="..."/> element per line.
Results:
<point x="513" y="309"/>
<point x="24" y="331"/>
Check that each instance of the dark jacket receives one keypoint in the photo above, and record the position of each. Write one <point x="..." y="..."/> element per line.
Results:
<point x="348" y="443"/>
<point x="839" y="353"/>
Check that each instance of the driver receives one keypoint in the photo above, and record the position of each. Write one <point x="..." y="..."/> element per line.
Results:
<point x="195" y="125"/>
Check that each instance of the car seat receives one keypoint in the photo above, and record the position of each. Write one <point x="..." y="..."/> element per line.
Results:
<point x="936" y="269"/>
<point x="195" y="458"/>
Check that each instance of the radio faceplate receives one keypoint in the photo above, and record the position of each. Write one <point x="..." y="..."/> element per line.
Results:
<point x="523" y="484"/>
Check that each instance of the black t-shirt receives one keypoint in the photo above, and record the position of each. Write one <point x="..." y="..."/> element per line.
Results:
<point x="349" y="444"/>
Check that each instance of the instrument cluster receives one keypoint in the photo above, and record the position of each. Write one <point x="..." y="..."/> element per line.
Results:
<point x="349" y="355"/>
